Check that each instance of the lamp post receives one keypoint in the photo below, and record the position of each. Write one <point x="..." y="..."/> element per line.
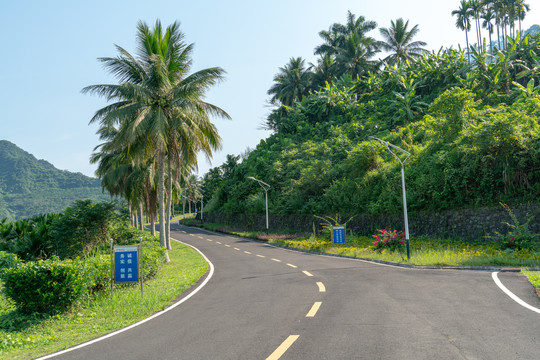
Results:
<point x="388" y="145"/>
<point x="265" y="187"/>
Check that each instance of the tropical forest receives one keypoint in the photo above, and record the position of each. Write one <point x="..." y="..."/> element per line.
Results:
<point x="468" y="117"/>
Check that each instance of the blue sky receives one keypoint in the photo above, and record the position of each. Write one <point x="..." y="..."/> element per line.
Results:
<point x="50" y="50"/>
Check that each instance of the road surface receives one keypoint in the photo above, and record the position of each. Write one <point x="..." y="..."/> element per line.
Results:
<point x="264" y="302"/>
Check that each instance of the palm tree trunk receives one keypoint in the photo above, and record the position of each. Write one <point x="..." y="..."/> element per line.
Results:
<point x="169" y="202"/>
<point x="141" y="216"/>
<point x="467" y="42"/>
<point x="161" y="203"/>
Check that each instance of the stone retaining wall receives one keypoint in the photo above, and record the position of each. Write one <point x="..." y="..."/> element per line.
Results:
<point x="466" y="223"/>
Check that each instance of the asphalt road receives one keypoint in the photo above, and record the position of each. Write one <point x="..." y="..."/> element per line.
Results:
<point x="268" y="303"/>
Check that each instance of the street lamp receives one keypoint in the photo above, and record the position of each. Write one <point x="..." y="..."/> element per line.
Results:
<point x="388" y="145"/>
<point x="265" y="187"/>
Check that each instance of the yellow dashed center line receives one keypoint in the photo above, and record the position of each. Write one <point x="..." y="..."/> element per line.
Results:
<point x="314" y="309"/>
<point x="261" y="256"/>
<point x="283" y="347"/>
<point x="321" y="286"/>
<point x="247" y="252"/>
<point x="227" y="245"/>
<point x="293" y="266"/>
<point x="237" y="249"/>
<point x="200" y="237"/>
<point x="276" y="260"/>
<point x="209" y="239"/>
<point x="307" y="273"/>
<point x="191" y="235"/>
<point x="218" y="242"/>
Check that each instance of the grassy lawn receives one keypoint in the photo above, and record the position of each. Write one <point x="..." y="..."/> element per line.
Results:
<point x="26" y="337"/>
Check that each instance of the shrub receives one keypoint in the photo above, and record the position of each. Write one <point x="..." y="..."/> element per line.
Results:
<point x="520" y="237"/>
<point x="82" y="227"/>
<point x="390" y="240"/>
<point x="48" y="286"/>
<point x="8" y="261"/>
<point x="97" y="272"/>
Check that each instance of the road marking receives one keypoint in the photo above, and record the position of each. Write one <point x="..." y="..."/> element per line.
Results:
<point x="283" y="347"/>
<point x="237" y="249"/>
<point x="209" y="239"/>
<point x="261" y="256"/>
<point x="276" y="260"/>
<point x="307" y="273"/>
<point x="314" y="309"/>
<point x="511" y="294"/>
<point x="247" y="252"/>
<point x="191" y="235"/>
<point x="321" y="286"/>
<point x="227" y="245"/>
<point x="203" y="284"/>
<point x="182" y="231"/>
<point x="293" y="266"/>
<point x="218" y="242"/>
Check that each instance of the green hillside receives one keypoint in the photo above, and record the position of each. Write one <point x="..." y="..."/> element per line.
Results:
<point x="29" y="186"/>
<point x="471" y="126"/>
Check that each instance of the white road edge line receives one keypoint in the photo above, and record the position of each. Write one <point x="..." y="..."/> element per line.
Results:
<point x="511" y="294"/>
<point x="211" y="273"/>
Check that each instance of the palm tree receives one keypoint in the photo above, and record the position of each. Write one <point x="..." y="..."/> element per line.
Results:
<point x="291" y="83"/>
<point x="463" y="21"/>
<point x="398" y="40"/>
<point x="477" y="8"/>
<point x="488" y="16"/>
<point x="336" y="36"/>
<point x="354" y="56"/>
<point x="155" y="91"/>
<point x="521" y="10"/>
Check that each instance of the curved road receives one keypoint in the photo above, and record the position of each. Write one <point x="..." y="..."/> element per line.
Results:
<point x="268" y="303"/>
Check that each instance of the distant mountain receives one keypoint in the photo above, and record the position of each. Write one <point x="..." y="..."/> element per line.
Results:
<point x="29" y="186"/>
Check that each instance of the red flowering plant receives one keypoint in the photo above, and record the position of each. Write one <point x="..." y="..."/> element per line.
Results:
<point x="391" y="240"/>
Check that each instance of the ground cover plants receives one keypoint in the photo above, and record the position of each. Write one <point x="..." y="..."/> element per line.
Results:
<point x="55" y="272"/>
<point x="424" y="250"/>
<point x="25" y="336"/>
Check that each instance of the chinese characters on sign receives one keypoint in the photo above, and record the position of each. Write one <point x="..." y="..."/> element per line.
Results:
<point x="338" y="234"/>
<point x="126" y="265"/>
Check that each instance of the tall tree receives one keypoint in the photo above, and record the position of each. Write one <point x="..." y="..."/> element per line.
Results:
<point x="463" y="21"/>
<point x="398" y="40"/>
<point x="291" y="83"/>
<point x="155" y="91"/>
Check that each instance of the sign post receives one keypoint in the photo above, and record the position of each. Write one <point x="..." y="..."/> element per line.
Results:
<point x="338" y="234"/>
<point x="126" y="264"/>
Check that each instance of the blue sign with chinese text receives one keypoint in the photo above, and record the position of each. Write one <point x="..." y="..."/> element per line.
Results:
<point x="338" y="234"/>
<point x="126" y="268"/>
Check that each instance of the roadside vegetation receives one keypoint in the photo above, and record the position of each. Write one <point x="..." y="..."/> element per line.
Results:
<point x="55" y="274"/>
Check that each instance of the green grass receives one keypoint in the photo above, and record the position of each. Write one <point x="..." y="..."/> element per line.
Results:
<point x="25" y="337"/>
<point x="424" y="251"/>
<point x="534" y="278"/>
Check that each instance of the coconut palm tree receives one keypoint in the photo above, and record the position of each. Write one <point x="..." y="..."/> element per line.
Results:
<point x="397" y="39"/>
<point x="155" y="91"/>
<point x="336" y="36"/>
<point x="463" y="21"/>
<point x="354" y="56"/>
<point x="291" y="83"/>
